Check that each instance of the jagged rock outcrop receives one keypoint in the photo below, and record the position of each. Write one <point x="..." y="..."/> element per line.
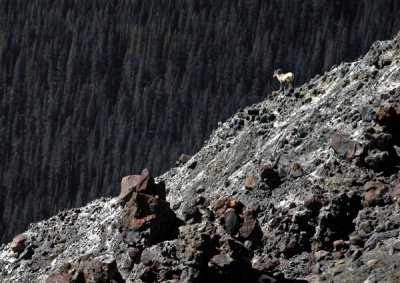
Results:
<point x="284" y="190"/>
<point x="91" y="91"/>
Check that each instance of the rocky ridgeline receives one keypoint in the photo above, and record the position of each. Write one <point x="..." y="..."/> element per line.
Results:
<point x="302" y="187"/>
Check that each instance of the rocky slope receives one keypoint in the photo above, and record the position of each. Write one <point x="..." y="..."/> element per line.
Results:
<point x="301" y="187"/>
<point x="91" y="91"/>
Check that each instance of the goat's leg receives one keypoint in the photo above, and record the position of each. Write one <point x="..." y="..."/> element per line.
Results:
<point x="280" y="87"/>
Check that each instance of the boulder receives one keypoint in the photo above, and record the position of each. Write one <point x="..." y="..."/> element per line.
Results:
<point x="231" y="221"/>
<point x="295" y="170"/>
<point x="183" y="159"/>
<point x="146" y="182"/>
<point x="356" y="240"/>
<point x="340" y="245"/>
<point x="148" y="213"/>
<point x="381" y="141"/>
<point x="313" y="203"/>
<point x="250" y="182"/>
<point x="355" y="149"/>
<point x="18" y="243"/>
<point x="143" y="183"/>
<point x="378" y="160"/>
<point x="57" y="277"/>
<point x="345" y="147"/>
<point x="101" y="269"/>
<point x="395" y="192"/>
<point x="239" y="221"/>
<point x="269" y="175"/>
<point x="376" y="194"/>
<point x="250" y="228"/>
<point x="388" y="115"/>
<point x="61" y="276"/>
<point x="128" y="186"/>
<point x="220" y="205"/>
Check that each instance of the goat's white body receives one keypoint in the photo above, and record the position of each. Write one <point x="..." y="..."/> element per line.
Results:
<point x="285" y="79"/>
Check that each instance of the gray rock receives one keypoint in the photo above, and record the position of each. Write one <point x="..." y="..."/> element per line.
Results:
<point x="377" y="159"/>
<point x="231" y="221"/>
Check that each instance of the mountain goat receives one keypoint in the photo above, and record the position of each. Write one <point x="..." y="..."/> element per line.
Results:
<point x="284" y="79"/>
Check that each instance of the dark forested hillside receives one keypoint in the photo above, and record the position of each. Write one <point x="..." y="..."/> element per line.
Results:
<point x="94" y="90"/>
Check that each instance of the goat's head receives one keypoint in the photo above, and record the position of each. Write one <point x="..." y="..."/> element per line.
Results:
<point x="277" y="73"/>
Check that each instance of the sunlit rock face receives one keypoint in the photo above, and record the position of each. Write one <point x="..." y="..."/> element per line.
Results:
<point x="91" y="92"/>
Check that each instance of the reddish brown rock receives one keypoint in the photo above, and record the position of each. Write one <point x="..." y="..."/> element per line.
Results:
<point x="389" y="115"/>
<point x="238" y="220"/>
<point x="339" y="245"/>
<point x="98" y="270"/>
<point x="313" y="203"/>
<point x="295" y="170"/>
<point x="250" y="182"/>
<point x="220" y="205"/>
<point x="355" y="149"/>
<point x="250" y="227"/>
<point x="65" y="267"/>
<point x="18" y="243"/>
<point x="61" y="276"/>
<point x="146" y="182"/>
<point x="339" y="144"/>
<point x="394" y="194"/>
<point x="376" y="193"/>
<point x="140" y="211"/>
<point x="148" y="213"/>
<point x="128" y="186"/>
<point x="235" y="204"/>
<point x="148" y="186"/>
<point x="57" y="277"/>
<point x="345" y="147"/>
<point x="143" y="183"/>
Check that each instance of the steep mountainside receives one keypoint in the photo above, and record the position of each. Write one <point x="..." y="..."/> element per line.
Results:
<point x="301" y="187"/>
<point x="93" y="90"/>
